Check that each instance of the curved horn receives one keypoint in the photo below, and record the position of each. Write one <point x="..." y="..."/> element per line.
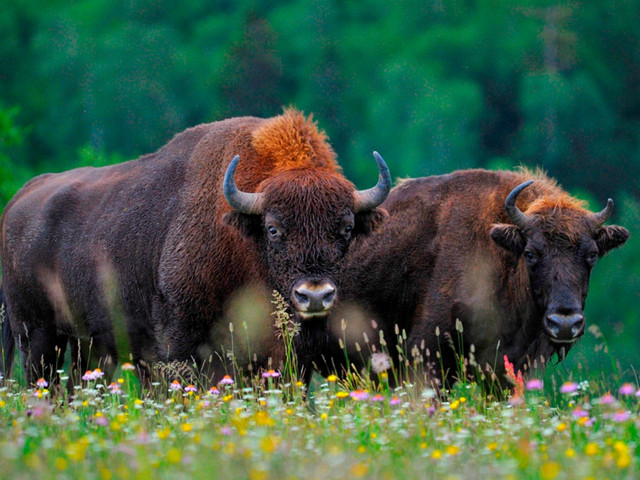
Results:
<point x="518" y="218"/>
<point x="372" y="197"/>
<point x="243" y="202"/>
<point x="603" y="215"/>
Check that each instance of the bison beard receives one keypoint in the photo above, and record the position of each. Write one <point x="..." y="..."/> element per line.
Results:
<point x="150" y="256"/>
<point x="508" y="258"/>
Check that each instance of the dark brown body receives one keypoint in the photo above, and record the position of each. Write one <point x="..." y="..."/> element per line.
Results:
<point x="450" y="251"/>
<point x="150" y="254"/>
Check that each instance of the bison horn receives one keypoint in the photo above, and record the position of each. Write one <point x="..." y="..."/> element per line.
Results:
<point x="603" y="215"/>
<point x="372" y="197"/>
<point x="243" y="202"/>
<point x="518" y="218"/>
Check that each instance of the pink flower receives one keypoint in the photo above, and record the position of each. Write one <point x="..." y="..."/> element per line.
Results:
<point x="607" y="399"/>
<point x="270" y="374"/>
<point x="42" y="383"/>
<point x="97" y="373"/>
<point x="569" y="387"/>
<point x="627" y="389"/>
<point x="395" y="401"/>
<point x="87" y="376"/>
<point x="226" y="380"/>
<point x="175" y="386"/>
<point x="377" y="398"/>
<point x="190" y="388"/>
<point x="101" y="420"/>
<point x="225" y="431"/>
<point x="214" y="391"/>
<point x="128" y="366"/>
<point x="114" y="388"/>
<point x="534" y="384"/>
<point x="621" y="416"/>
<point x="359" y="395"/>
<point x="579" y="412"/>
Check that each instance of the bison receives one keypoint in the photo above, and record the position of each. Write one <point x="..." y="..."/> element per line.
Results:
<point x="147" y="256"/>
<point x="477" y="262"/>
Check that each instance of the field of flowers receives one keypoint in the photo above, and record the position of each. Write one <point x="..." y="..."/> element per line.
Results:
<point x="339" y="429"/>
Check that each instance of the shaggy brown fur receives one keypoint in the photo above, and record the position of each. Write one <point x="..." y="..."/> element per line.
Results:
<point x="151" y="246"/>
<point x="449" y="251"/>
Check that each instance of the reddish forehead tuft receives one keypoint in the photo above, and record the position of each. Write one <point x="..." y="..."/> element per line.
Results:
<point x="293" y="141"/>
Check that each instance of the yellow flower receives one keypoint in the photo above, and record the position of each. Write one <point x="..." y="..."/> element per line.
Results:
<point x="255" y="474"/>
<point x="591" y="449"/>
<point x="452" y="449"/>
<point x="359" y="469"/>
<point x="332" y="378"/>
<point x="361" y="449"/>
<point x="164" y="433"/>
<point x="424" y="445"/>
<point x="268" y="444"/>
<point x="492" y="446"/>
<point x="174" y="455"/>
<point x="462" y="399"/>
<point x="561" y="427"/>
<point x="227" y="398"/>
<point x="342" y="394"/>
<point x="436" y="454"/>
<point x="570" y="453"/>
<point x="623" y="461"/>
<point x="186" y="427"/>
<point x="2" y="404"/>
<point x="324" y="416"/>
<point x="454" y="405"/>
<point x="61" y="463"/>
<point x="549" y="470"/>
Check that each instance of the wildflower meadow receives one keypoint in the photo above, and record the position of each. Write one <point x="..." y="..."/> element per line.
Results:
<point x="268" y="425"/>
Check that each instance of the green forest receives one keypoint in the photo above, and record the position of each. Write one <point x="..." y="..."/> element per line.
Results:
<point x="433" y="85"/>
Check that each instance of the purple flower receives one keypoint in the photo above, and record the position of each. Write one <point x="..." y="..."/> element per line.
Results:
<point x="190" y="388"/>
<point x="101" y="420"/>
<point x="621" y="416"/>
<point x="175" y="386"/>
<point x="627" y="389"/>
<point x="534" y="384"/>
<point x="226" y="380"/>
<point x="225" y="431"/>
<point x="114" y="388"/>
<point x="359" y="395"/>
<point x="569" y="387"/>
<point x="214" y="391"/>
<point x="580" y="412"/>
<point x="607" y="399"/>
<point x="395" y="401"/>
<point x="270" y="374"/>
<point x="377" y="398"/>
<point x="42" y="383"/>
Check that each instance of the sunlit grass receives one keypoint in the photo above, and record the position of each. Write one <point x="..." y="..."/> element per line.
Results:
<point x="271" y="425"/>
<point x="268" y="430"/>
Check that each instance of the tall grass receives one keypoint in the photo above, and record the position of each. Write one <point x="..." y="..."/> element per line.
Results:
<point x="360" y="426"/>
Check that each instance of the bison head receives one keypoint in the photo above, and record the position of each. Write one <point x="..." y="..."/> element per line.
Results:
<point x="303" y="222"/>
<point x="560" y="244"/>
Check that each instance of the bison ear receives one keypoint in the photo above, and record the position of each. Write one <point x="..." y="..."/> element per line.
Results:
<point x="370" y="221"/>
<point x="609" y="237"/>
<point x="247" y="225"/>
<point x="509" y="237"/>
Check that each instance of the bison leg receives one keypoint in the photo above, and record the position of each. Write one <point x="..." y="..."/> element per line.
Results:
<point x="42" y="352"/>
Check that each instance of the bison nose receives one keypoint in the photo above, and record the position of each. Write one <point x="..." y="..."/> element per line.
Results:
<point x="313" y="298"/>
<point x="565" y="328"/>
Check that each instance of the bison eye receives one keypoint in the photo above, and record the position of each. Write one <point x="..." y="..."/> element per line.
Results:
<point x="274" y="233"/>
<point x="531" y="257"/>
<point x="592" y="257"/>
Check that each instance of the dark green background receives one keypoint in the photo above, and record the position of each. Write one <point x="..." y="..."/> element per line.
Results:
<point x="432" y="85"/>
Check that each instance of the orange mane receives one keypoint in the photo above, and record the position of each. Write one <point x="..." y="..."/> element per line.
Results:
<point x="292" y="141"/>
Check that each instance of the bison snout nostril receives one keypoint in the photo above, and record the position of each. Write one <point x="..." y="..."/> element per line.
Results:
<point x="300" y="298"/>
<point x="314" y="297"/>
<point x="565" y="328"/>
